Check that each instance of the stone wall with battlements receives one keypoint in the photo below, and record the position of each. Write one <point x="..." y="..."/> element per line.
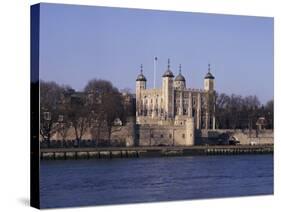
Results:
<point x="245" y="137"/>
<point x="166" y="135"/>
<point x="144" y="135"/>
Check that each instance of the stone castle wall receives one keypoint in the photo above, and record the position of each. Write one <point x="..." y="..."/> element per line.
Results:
<point x="157" y="135"/>
<point x="245" y="137"/>
<point x="120" y="134"/>
<point x="162" y="135"/>
<point x="143" y="135"/>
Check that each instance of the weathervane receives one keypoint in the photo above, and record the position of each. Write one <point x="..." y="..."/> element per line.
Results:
<point x="168" y="63"/>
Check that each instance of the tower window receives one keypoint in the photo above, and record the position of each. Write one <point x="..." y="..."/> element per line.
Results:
<point x="47" y="116"/>
<point x="183" y="135"/>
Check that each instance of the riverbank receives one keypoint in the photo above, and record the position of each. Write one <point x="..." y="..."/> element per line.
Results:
<point x="136" y="152"/>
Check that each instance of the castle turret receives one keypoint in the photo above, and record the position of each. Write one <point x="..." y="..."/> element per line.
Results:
<point x="168" y="92"/>
<point x="190" y="136"/>
<point x="140" y="86"/>
<point x="210" y="99"/>
<point x="209" y="80"/>
<point x="179" y="82"/>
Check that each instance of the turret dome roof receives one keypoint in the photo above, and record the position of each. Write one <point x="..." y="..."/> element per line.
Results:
<point x="209" y="75"/>
<point x="180" y="77"/>
<point x="168" y="73"/>
<point x="141" y="77"/>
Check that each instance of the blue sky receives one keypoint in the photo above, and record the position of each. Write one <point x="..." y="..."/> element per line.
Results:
<point x="79" y="43"/>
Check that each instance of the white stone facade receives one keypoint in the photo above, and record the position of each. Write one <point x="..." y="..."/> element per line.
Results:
<point x="174" y="103"/>
<point x="169" y="115"/>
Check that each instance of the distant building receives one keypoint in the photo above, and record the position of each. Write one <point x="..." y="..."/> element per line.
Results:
<point x="261" y="123"/>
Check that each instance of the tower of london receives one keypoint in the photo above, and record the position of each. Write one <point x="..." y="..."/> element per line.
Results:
<point x="175" y="107"/>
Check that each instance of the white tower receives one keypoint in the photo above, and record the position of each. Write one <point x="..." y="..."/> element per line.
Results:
<point x="179" y="82"/>
<point x="209" y="80"/>
<point x="168" y="92"/>
<point x="210" y="92"/>
<point x="140" y="86"/>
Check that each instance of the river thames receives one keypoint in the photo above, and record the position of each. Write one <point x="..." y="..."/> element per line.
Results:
<point x="67" y="183"/>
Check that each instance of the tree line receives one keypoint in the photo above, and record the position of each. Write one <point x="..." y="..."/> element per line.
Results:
<point x="97" y="108"/>
<point x="100" y="104"/>
<point x="237" y="112"/>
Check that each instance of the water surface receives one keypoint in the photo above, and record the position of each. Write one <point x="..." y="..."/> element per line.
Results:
<point x="115" y="181"/>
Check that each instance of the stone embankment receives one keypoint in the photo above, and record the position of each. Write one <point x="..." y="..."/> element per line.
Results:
<point x="136" y="152"/>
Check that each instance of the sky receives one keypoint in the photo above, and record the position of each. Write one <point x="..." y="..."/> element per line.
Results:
<point x="80" y="43"/>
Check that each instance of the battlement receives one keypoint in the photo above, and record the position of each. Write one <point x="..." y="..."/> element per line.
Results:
<point x="199" y="90"/>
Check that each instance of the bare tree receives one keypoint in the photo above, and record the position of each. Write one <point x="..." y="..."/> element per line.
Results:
<point x="64" y="122"/>
<point x="50" y="98"/>
<point x="114" y="109"/>
<point x="237" y="112"/>
<point x="269" y="113"/>
<point x="222" y="102"/>
<point x="106" y="105"/>
<point x="78" y="115"/>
